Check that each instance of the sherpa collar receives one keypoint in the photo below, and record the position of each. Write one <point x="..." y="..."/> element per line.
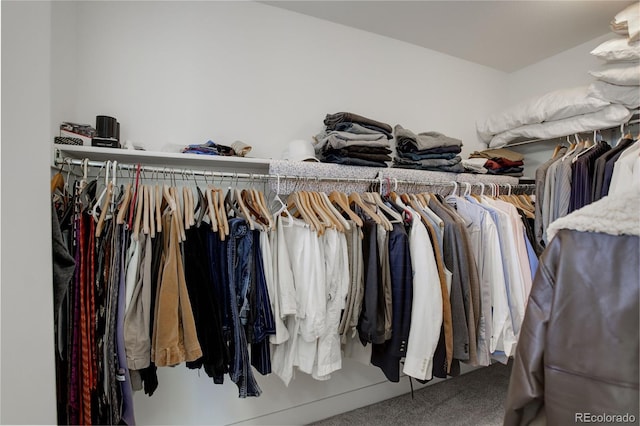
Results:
<point x="617" y="214"/>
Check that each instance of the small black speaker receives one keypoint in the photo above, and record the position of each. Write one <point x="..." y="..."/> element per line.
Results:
<point x="106" y="127"/>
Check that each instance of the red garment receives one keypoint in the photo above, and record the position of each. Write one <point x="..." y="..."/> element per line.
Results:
<point x="501" y="163"/>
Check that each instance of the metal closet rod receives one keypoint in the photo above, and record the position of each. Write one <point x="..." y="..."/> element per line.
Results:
<point x="236" y="175"/>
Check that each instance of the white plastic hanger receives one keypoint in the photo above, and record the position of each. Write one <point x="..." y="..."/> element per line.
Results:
<point x="98" y="203"/>
<point x="281" y="207"/>
<point x="451" y="198"/>
<point x="595" y="143"/>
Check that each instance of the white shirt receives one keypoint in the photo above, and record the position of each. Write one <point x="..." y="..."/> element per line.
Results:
<point x="336" y="263"/>
<point x="491" y="271"/>
<point x="515" y="283"/>
<point x="282" y="334"/>
<point x="426" y="310"/>
<point x="624" y="171"/>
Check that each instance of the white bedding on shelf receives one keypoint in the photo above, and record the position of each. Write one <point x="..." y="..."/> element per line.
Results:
<point x="551" y="106"/>
<point x="607" y="117"/>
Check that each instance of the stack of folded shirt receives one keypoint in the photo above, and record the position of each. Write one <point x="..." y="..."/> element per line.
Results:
<point x="238" y="148"/>
<point x="354" y="140"/>
<point x="427" y="151"/>
<point x="495" y="162"/>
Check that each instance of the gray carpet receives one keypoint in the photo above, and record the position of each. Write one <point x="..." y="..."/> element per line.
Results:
<point x="475" y="398"/>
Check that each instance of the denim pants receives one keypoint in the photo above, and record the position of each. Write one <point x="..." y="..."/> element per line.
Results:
<point x="263" y="324"/>
<point x="239" y="246"/>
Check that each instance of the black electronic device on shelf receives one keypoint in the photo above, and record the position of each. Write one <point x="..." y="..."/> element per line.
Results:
<point x="107" y="132"/>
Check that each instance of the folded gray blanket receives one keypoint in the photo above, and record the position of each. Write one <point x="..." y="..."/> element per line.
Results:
<point x="340" y="117"/>
<point x="339" y="140"/>
<point x="405" y="139"/>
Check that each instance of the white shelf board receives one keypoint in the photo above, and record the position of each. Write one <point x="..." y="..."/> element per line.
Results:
<point x="167" y="159"/>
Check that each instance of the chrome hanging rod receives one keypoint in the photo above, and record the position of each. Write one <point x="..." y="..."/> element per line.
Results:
<point x="258" y="176"/>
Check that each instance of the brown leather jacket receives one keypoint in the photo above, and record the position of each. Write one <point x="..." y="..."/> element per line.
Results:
<point x="577" y="354"/>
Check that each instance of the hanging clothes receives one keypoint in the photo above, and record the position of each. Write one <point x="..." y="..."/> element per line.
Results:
<point x="420" y="288"/>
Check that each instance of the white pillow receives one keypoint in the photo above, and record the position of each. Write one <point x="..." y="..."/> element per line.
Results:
<point x="621" y="75"/>
<point x="617" y="49"/>
<point x="628" y="96"/>
<point x="630" y="19"/>
<point x="610" y="116"/>
<point x="554" y="105"/>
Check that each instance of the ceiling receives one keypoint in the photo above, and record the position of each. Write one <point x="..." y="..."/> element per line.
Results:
<point x="505" y="35"/>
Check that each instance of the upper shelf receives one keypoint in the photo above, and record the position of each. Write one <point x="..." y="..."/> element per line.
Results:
<point x="204" y="162"/>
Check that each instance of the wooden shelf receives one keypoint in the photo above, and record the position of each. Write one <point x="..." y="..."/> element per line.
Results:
<point x="166" y="159"/>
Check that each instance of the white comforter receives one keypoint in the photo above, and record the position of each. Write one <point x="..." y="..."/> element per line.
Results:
<point x="607" y="117"/>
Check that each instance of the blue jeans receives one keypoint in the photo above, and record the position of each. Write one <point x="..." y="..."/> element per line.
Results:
<point x="263" y="322"/>
<point x="239" y="246"/>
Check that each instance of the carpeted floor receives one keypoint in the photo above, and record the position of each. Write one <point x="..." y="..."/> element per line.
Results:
<point x="475" y="398"/>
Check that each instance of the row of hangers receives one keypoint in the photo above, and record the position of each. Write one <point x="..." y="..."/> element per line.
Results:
<point x="321" y="211"/>
<point x="588" y="143"/>
<point x="141" y="206"/>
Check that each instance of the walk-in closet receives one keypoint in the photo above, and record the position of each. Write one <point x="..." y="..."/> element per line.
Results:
<point x="277" y="212"/>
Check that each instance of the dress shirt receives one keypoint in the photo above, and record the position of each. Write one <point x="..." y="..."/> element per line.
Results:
<point x="562" y="194"/>
<point x="623" y="171"/>
<point x="426" y="312"/>
<point x="541" y="173"/>
<point x="600" y="166"/>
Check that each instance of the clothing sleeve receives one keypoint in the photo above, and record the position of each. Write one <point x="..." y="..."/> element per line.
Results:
<point x="283" y="275"/>
<point x="525" y="397"/>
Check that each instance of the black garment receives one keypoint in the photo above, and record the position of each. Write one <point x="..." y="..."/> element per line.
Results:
<point x="204" y="304"/>
<point x="368" y="328"/>
<point x="581" y="176"/>
<point x="64" y="265"/>
<point x="217" y="255"/>
<point x="600" y="166"/>
<point x="362" y="149"/>
<point x="507" y="171"/>
<point x="409" y="147"/>
<point x="529" y="224"/>
<point x="263" y="322"/>
<point x="388" y="354"/>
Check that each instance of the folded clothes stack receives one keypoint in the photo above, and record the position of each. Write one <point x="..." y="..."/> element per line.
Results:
<point x="354" y="140"/>
<point x="238" y="148"/>
<point x="495" y="162"/>
<point x="427" y="151"/>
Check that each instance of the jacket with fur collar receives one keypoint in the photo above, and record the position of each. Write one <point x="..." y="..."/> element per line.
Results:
<point x="579" y="343"/>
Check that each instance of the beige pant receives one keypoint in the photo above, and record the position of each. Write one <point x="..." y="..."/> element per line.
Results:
<point x="174" y="331"/>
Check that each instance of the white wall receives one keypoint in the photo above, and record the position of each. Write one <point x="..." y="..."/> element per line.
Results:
<point x="28" y="374"/>
<point x="564" y="70"/>
<point x="64" y="47"/>
<point x="186" y="72"/>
